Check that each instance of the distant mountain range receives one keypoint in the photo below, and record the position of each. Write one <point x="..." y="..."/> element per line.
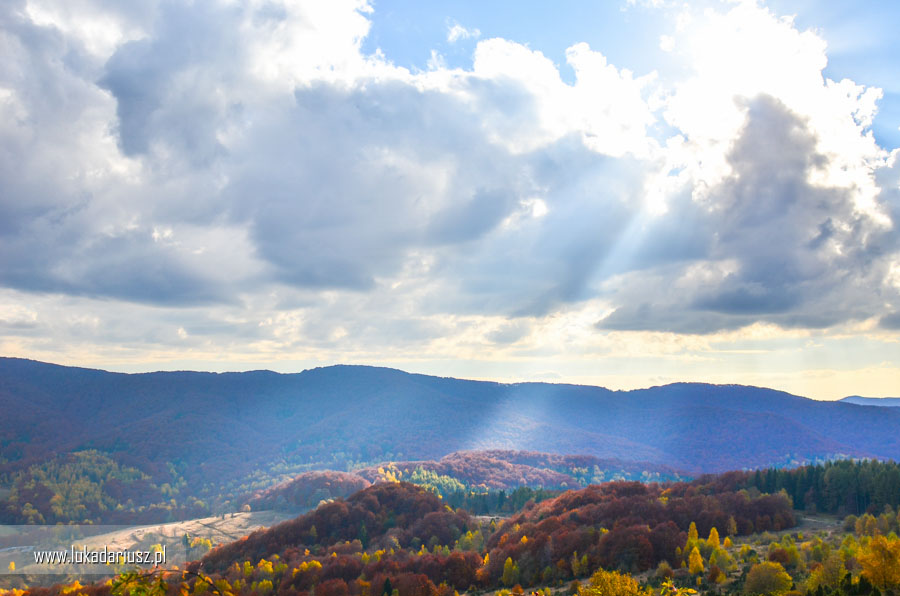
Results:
<point x="336" y="417"/>
<point x="889" y="402"/>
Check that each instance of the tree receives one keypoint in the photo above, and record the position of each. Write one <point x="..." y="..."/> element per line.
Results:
<point x="829" y="574"/>
<point x="692" y="533"/>
<point x="510" y="572"/>
<point x="664" y="570"/>
<point x="767" y="578"/>
<point x="695" y="562"/>
<point x="612" y="583"/>
<point x="731" y="527"/>
<point x="880" y="562"/>
<point x="713" y="540"/>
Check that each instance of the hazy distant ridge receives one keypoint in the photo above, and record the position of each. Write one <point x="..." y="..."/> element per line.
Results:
<point x="890" y="402"/>
<point x="232" y="422"/>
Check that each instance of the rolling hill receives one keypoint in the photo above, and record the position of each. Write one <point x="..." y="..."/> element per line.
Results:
<point x="206" y="429"/>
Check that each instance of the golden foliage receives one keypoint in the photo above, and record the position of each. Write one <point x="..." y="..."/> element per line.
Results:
<point x="768" y="578"/>
<point x="880" y="561"/>
<point x="695" y="562"/>
<point x="612" y="583"/>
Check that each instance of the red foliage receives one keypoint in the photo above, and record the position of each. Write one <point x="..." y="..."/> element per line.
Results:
<point x="333" y="587"/>
<point x="644" y="523"/>
<point x="504" y="469"/>
<point x="307" y="490"/>
<point x="388" y="512"/>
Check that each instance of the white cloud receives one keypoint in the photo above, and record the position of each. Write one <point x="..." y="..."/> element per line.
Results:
<point x="666" y="43"/>
<point x="455" y="32"/>
<point x="747" y="51"/>
<point x="606" y="106"/>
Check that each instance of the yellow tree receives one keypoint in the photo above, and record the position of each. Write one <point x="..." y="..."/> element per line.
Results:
<point x="612" y="583"/>
<point x="880" y="562"/>
<point x="692" y="532"/>
<point x="768" y="578"/>
<point x="510" y="572"/>
<point x="695" y="562"/>
<point x="576" y="565"/>
<point x="829" y="574"/>
<point x="713" y="540"/>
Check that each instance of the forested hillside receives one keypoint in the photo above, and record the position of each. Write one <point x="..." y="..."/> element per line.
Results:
<point x="307" y="490"/>
<point x="714" y="534"/>
<point x="183" y="443"/>
<point x="619" y="524"/>
<point x="508" y="469"/>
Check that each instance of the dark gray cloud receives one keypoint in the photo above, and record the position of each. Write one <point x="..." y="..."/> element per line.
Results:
<point x="129" y="266"/>
<point x="793" y="253"/>
<point x="168" y="87"/>
<point x="891" y="321"/>
<point x="471" y="218"/>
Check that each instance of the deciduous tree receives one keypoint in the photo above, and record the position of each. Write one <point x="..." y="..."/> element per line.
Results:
<point x="612" y="583"/>
<point x="695" y="562"/>
<point x="768" y="578"/>
<point x="880" y="562"/>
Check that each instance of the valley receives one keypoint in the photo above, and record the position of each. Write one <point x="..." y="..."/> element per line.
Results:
<point x="185" y="445"/>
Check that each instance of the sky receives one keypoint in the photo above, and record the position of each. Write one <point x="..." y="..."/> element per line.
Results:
<point x="623" y="193"/>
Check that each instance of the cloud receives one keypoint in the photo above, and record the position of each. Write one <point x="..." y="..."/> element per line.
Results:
<point x="251" y="162"/>
<point x="510" y="332"/>
<point x="891" y="321"/>
<point x="162" y="84"/>
<point x="455" y="32"/>
<point x="782" y="249"/>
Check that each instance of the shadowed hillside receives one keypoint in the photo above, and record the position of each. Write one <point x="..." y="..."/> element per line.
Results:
<point x="378" y="414"/>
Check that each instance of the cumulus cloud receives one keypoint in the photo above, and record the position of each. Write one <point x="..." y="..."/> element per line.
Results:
<point x="781" y="249"/>
<point x="251" y="160"/>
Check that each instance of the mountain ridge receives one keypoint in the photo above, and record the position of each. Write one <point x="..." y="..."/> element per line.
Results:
<point x="334" y="367"/>
<point x="344" y="415"/>
<point x="891" y="402"/>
